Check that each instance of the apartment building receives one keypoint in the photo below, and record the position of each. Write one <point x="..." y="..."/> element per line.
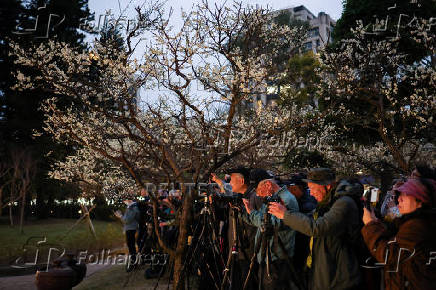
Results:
<point x="320" y="34"/>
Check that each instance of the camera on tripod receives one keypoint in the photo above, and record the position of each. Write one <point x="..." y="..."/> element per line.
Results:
<point x="235" y="199"/>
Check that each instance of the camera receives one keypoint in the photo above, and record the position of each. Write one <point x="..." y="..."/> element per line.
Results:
<point x="272" y="198"/>
<point x="371" y="195"/>
<point x="235" y="198"/>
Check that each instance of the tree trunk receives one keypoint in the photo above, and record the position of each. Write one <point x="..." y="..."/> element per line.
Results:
<point x="1" y="202"/>
<point x="179" y="275"/>
<point x="11" y="218"/>
<point x="23" y="205"/>
<point x="386" y="178"/>
<point x="40" y="208"/>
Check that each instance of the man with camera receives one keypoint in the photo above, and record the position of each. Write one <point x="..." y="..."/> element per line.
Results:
<point x="243" y="247"/>
<point x="332" y="262"/>
<point x="274" y="241"/>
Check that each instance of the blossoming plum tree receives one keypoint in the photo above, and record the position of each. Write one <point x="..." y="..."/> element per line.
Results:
<point x="179" y="133"/>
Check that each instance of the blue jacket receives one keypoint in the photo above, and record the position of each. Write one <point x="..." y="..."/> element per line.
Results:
<point x="131" y="217"/>
<point x="285" y="233"/>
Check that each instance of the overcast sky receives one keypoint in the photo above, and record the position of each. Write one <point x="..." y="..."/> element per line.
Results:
<point x="332" y="7"/>
<point x="126" y="8"/>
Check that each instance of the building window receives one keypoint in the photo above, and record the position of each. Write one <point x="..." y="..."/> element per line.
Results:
<point x="318" y="43"/>
<point x="314" y="32"/>
<point x="308" y="45"/>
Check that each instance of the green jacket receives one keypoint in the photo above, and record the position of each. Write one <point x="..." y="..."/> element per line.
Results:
<point x="334" y="263"/>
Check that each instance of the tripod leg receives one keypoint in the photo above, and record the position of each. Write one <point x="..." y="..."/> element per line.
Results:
<point x="253" y="258"/>
<point x="227" y="269"/>
<point x="261" y="267"/>
<point x="268" y="262"/>
<point x="263" y="253"/>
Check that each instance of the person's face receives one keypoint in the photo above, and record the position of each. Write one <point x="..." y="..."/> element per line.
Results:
<point x="237" y="182"/>
<point x="317" y="191"/>
<point x="127" y="202"/>
<point x="144" y="193"/>
<point x="415" y="174"/>
<point x="296" y="190"/>
<point x="407" y="203"/>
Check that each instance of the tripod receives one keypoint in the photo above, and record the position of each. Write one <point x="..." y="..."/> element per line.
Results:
<point x="267" y="232"/>
<point x="203" y="247"/>
<point x="233" y="252"/>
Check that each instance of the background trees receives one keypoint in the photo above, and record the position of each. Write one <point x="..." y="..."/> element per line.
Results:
<point x="182" y="134"/>
<point x="369" y="97"/>
<point x="19" y="114"/>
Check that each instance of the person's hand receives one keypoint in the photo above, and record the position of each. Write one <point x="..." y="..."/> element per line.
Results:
<point x="248" y="206"/>
<point x="118" y="214"/>
<point x="162" y="224"/>
<point x="368" y="216"/>
<point x="218" y="181"/>
<point x="215" y="178"/>
<point x="277" y="209"/>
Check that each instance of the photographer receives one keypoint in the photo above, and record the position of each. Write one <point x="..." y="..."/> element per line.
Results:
<point x="130" y="221"/>
<point x="240" y="185"/>
<point x="145" y="213"/>
<point x="406" y="249"/>
<point x="332" y="262"/>
<point x="306" y="204"/>
<point x="280" y="238"/>
<point x="171" y="205"/>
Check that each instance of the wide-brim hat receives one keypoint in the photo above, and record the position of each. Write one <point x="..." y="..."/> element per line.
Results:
<point x="321" y="176"/>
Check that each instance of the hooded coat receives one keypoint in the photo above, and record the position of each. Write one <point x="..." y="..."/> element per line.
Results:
<point x="336" y="223"/>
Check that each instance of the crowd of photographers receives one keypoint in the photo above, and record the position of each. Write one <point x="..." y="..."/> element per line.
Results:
<point x="312" y="231"/>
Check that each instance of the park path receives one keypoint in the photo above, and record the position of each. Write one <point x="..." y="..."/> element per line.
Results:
<point x="27" y="282"/>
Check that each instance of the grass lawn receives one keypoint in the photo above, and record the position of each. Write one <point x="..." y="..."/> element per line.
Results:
<point x="109" y="236"/>
<point x="114" y="277"/>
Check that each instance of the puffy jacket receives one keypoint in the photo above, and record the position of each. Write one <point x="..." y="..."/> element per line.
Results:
<point x="409" y="254"/>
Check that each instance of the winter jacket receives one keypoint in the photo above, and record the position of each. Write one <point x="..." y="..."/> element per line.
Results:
<point x="408" y="253"/>
<point x="286" y="235"/>
<point x="334" y="262"/>
<point x="131" y="217"/>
